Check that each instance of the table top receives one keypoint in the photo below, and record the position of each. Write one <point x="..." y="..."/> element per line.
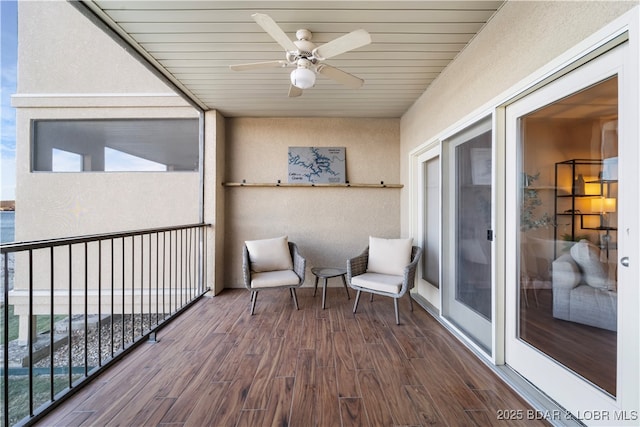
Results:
<point x="327" y="272"/>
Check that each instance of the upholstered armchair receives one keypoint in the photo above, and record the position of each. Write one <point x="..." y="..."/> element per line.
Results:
<point x="272" y="264"/>
<point x="386" y="267"/>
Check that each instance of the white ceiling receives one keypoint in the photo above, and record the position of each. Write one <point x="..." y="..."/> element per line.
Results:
<point x="194" y="42"/>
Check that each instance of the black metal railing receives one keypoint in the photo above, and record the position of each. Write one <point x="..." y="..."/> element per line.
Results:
<point x="71" y="307"/>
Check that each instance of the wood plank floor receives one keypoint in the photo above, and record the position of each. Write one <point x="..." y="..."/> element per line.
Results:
<point x="590" y="352"/>
<point x="218" y="366"/>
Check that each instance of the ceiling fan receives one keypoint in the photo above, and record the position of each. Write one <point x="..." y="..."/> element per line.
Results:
<point x="306" y="57"/>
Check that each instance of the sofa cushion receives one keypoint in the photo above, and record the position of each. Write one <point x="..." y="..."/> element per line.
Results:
<point x="587" y="256"/>
<point x="389" y="256"/>
<point x="379" y="282"/>
<point x="594" y="307"/>
<point x="269" y="254"/>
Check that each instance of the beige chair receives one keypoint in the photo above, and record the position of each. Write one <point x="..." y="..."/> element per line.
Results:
<point x="386" y="267"/>
<point x="272" y="264"/>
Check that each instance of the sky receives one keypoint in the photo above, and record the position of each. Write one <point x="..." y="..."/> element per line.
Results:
<point x="8" y="65"/>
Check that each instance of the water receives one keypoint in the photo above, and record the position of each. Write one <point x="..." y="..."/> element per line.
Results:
<point x="7" y="226"/>
<point x="7" y="234"/>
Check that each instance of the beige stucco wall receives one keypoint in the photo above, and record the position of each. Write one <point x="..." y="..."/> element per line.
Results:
<point x="70" y="69"/>
<point x="328" y="224"/>
<point x="66" y="53"/>
<point x="523" y="37"/>
<point x="58" y="204"/>
<point x="214" y="197"/>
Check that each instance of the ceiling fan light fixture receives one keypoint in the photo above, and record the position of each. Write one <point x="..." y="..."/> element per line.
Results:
<point x="303" y="78"/>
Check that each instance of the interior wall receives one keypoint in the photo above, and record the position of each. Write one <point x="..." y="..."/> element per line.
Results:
<point x="522" y="38"/>
<point x="329" y="224"/>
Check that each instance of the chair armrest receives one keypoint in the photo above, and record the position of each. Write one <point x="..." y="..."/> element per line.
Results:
<point x="246" y="267"/>
<point x="410" y="270"/>
<point x="299" y="262"/>
<point x="357" y="265"/>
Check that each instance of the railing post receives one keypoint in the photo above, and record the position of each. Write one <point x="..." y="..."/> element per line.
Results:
<point x="5" y="336"/>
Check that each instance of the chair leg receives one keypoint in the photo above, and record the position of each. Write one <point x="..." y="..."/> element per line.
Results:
<point x="395" y="304"/>
<point x="371" y="298"/>
<point x="355" y="306"/>
<point x="410" y="301"/>
<point x="295" y="299"/>
<point x="315" y="287"/>
<point x="346" y="288"/>
<point x="324" y="293"/>
<point x="254" y="298"/>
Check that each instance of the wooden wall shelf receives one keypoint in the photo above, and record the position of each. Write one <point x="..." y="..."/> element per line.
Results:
<point x="286" y="184"/>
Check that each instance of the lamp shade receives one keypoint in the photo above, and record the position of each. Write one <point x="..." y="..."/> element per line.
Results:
<point x="303" y="78"/>
<point x="603" y="204"/>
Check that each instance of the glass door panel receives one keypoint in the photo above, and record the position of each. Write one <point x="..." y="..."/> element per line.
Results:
<point x="568" y="230"/>
<point x="467" y="294"/>
<point x="570" y="219"/>
<point x="431" y="224"/>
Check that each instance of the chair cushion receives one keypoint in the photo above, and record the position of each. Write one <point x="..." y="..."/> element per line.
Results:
<point x="269" y="254"/>
<point x="587" y="256"/>
<point x="389" y="256"/>
<point x="379" y="282"/>
<point x="274" y="279"/>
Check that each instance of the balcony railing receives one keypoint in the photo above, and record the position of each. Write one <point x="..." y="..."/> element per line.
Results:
<point x="71" y="307"/>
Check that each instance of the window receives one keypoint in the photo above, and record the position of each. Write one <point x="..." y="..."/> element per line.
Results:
<point x="115" y="160"/>
<point x="65" y="161"/>
<point x="116" y="145"/>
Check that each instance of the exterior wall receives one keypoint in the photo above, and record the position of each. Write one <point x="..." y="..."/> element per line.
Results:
<point x="82" y="73"/>
<point x="66" y="53"/>
<point x="69" y="68"/>
<point x="520" y="39"/>
<point x="59" y="204"/>
<point x="328" y="224"/>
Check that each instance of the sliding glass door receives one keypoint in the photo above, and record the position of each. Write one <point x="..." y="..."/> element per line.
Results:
<point x="571" y="188"/>
<point x="467" y="232"/>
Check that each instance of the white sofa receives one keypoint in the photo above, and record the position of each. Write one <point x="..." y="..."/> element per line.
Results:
<point x="582" y="290"/>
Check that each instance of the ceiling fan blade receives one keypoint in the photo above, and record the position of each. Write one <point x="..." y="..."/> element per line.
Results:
<point x="274" y="30"/>
<point x="294" y="91"/>
<point x="257" y="65"/>
<point x="342" y="44"/>
<point x="340" y="76"/>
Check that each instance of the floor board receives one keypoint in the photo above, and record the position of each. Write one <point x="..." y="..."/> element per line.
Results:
<point x="217" y="365"/>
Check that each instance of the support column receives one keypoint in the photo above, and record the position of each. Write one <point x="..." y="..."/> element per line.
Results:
<point x="214" y="154"/>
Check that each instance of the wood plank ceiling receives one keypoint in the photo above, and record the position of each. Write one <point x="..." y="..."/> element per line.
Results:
<point x="194" y="42"/>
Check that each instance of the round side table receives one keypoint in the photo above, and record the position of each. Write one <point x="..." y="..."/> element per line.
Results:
<point x="327" y="273"/>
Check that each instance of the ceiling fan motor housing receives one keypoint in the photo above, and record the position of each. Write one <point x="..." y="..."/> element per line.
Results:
<point x="304" y="45"/>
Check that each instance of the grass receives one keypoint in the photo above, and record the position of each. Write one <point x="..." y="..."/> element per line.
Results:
<point x="19" y="394"/>
<point x="19" y="385"/>
<point x="43" y="323"/>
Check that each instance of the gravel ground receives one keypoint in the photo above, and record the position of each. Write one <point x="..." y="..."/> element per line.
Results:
<point x="61" y="354"/>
